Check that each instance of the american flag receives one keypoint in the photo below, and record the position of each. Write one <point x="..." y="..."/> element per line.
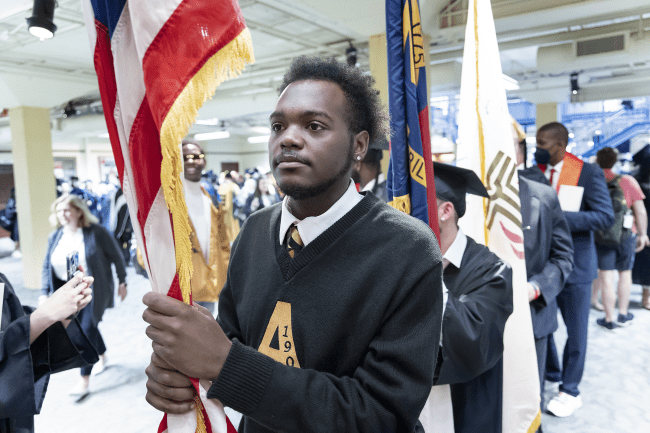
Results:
<point x="157" y="63"/>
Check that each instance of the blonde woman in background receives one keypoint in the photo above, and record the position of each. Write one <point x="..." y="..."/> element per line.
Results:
<point x="77" y="230"/>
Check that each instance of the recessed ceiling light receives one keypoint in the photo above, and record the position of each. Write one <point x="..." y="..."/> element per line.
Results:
<point x="259" y="139"/>
<point x="212" y="135"/>
<point x="261" y="130"/>
<point x="210" y="122"/>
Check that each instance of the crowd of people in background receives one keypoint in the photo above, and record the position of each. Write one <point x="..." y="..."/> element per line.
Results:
<point x="582" y="223"/>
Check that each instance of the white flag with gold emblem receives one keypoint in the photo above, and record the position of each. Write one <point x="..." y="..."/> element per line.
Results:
<point x="485" y="146"/>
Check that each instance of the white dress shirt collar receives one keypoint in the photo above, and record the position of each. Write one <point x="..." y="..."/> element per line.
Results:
<point x="311" y="227"/>
<point x="370" y="185"/>
<point x="454" y="254"/>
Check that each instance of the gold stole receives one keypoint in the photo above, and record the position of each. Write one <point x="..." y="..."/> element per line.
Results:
<point x="208" y="278"/>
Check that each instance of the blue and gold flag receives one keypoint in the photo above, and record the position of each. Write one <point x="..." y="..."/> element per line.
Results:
<point x="410" y="183"/>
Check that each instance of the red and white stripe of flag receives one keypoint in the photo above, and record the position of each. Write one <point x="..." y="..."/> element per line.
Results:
<point x="141" y="70"/>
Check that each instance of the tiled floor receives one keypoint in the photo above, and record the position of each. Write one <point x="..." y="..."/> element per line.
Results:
<point x="615" y="389"/>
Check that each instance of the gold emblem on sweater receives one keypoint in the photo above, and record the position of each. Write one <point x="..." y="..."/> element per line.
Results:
<point x="278" y="338"/>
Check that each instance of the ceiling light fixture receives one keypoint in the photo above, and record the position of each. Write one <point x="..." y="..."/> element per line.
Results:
<point x="211" y="122"/>
<point x="351" y="54"/>
<point x="259" y="139"/>
<point x="260" y="130"/>
<point x="41" y="23"/>
<point x="212" y="135"/>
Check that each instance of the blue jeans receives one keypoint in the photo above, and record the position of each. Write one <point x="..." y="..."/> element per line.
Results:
<point x="89" y="327"/>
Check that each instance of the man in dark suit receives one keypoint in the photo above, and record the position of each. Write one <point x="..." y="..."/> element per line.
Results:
<point x="585" y="183"/>
<point x="549" y="255"/>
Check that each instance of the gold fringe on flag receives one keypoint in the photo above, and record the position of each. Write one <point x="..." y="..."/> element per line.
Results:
<point x="402" y="203"/>
<point x="226" y="63"/>
<point x="200" y="421"/>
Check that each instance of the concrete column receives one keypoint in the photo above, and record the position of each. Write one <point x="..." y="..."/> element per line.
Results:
<point x="379" y="71"/>
<point x="546" y="113"/>
<point x="35" y="187"/>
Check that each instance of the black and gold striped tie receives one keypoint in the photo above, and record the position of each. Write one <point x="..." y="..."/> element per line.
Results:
<point x="294" y="243"/>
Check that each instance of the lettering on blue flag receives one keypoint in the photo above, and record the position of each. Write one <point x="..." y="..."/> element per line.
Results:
<point x="410" y="183"/>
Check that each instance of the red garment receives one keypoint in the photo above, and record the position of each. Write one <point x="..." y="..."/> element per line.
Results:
<point x="631" y="189"/>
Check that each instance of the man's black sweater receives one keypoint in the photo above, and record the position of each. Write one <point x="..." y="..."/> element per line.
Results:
<point x="354" y="321"/>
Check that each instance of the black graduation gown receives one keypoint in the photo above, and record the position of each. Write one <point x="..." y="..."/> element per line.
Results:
<point x="25" y="369"/>
<point x="470" y="360"/>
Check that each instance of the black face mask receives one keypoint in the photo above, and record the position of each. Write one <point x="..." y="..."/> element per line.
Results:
<point x="542" y="156"/>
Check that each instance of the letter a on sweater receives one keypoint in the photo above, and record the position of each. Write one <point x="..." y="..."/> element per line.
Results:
<point x="278" y="338"/>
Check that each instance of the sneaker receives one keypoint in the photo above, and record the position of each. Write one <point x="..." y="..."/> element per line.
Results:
<point x="80" y="389"/>
<point x="101" y="366"/>
<point x="563" y="405"/>
<point x="605" y="324"/>
<point x="625" y="320"/>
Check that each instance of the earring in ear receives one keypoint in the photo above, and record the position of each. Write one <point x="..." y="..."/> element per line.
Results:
<point x="358" y="158"/>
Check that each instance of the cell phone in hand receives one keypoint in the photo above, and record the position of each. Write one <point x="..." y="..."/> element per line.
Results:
<point x="72" y="264"/>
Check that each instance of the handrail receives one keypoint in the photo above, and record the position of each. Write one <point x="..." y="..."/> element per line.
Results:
<point x="620" y="138"/>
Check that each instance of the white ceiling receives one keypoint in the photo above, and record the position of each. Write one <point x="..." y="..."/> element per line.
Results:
<point x="54" y="71"/>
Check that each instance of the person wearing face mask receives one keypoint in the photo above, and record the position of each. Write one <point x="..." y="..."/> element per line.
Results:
<point x="587" y="207"/>
<point x="548" y="249"/>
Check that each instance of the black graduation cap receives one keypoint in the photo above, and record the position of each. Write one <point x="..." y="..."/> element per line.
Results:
<point x="380" y="143"/>
<point x="452" y="183"/>
<point x="375" y="148"/>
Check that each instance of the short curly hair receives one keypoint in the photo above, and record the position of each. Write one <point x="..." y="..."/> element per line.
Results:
<point x="369" y="114"/>
<point x="557" y="130"/>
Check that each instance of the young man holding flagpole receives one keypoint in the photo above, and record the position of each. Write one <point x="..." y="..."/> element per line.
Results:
<point x="313" y="333"/>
